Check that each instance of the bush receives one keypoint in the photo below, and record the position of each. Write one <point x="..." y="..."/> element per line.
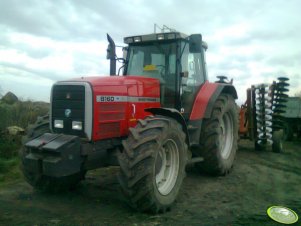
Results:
<point x="21" y="113"/>
<point x="9" y="159"/>
<point x="9" y="147"/>
<point x="7" y="165"/>
<point x="9" y="170"/>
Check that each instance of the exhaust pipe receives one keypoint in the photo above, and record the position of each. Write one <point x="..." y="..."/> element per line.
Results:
<point x="111" y="55"/>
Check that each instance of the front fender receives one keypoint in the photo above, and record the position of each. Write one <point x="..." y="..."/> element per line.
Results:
<point x="172" y="113"/>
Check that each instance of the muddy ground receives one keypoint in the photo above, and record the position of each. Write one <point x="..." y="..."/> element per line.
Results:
<point x="258" y="180"/>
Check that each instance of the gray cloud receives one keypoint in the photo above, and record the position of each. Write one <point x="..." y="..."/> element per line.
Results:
<point x="22" y="71"/>
<point x="295" y="82"/>
<point x="61" y="21"/>
<point x="273" y="29"/>
<point x="285" y="60"/>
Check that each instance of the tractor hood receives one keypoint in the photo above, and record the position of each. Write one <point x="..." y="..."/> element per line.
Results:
<point x="114" y="103"/>
<point x="151" y="85"/>
<point x="123" y="85"/>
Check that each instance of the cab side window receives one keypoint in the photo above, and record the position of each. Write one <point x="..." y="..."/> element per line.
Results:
<point x="192" y="68"/>
<point x="192" y="63"/>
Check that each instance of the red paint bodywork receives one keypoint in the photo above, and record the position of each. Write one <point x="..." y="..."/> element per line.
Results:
<point x="113" y="119"/>
<point x="202" y="99"/>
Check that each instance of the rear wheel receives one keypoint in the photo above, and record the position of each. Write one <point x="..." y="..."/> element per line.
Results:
<point x="219" y="137"/>
<point x="152" y="164"/>
<point x="37" y="179"/>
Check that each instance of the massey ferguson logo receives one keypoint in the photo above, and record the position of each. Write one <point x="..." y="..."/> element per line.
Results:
<point x="67" y="113"/>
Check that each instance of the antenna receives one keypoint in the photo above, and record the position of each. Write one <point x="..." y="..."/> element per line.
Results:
<point x="164" y="27"/>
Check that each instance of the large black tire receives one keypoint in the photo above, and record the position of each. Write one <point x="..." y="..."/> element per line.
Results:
<point x="277" y="145"/>
<point x="37" y="179"/>
<point x="219" y="137"/>
<point x="152" y="164"/>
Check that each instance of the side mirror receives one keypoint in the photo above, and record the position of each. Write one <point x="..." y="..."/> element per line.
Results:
<point x="195" y="43"/>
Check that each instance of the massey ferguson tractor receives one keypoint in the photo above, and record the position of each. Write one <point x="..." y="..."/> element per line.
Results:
<point x="154" y="119"/>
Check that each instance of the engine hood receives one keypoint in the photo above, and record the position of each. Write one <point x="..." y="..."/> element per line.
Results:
<point x="123" y="85"/>
<point x="117" y="80"/>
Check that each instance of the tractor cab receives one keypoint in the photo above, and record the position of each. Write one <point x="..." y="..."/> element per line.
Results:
<point x="175" y="59"/>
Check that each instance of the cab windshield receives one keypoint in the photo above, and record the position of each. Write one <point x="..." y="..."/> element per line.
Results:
<point x="156" y="60"/>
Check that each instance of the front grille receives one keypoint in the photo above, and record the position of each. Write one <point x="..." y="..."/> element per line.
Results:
<point x="68" y="98"/>
<point x="111" y="111"/>
<point x="108" y="130"/>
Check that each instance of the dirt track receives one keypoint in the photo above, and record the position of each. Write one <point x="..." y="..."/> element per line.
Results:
<point x="258" y="180"/>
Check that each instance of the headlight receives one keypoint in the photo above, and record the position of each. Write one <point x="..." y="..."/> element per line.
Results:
<point x="59" y="124"/>
<point x="128" y="40"/>
<point x="160" y="36"/>
<point x="137" y="39"/>
<point x="76" y="125"/>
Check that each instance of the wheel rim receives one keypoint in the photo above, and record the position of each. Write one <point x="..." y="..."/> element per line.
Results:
<point x="226" y="135"/>
<point x="167" y="167"/>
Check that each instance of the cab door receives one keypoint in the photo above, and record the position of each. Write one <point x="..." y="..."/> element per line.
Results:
<point x="193" y="75"/>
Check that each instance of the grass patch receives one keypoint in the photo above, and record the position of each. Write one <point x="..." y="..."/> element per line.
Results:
<point x="9" y="170"/>
<point x="9" y="160"/>
<point x="7" y="164"/>
<point x="9" y="147"/>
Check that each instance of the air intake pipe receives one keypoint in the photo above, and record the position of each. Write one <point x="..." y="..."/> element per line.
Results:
<point x="111" y="55"/>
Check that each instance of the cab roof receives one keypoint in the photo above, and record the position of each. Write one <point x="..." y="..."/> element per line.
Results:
<point x="155" y="37"/>
<point x="159" y="37"/>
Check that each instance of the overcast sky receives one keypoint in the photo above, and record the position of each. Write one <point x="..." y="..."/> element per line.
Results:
<point x="251" y="41"/>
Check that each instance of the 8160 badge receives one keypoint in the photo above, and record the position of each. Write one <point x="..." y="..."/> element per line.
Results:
<point x="111" y="98"/>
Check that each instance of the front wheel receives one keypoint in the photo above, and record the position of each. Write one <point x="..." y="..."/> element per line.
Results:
<point x="152" y="164"/>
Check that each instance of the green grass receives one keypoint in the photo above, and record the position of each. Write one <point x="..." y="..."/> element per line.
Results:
<point x="9" y="147"/>
<point x="9" y="160"/>
<point x="9" y="169"/>
<point x="7" y="164"/>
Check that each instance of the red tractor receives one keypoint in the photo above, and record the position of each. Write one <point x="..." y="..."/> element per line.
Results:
<point x="153" y="120"/>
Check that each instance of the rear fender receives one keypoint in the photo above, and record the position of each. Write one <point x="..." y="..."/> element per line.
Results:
<point x="203" y="107"/>
<point x="206" y="97"/>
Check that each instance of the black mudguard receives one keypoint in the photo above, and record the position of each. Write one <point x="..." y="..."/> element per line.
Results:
<point x="54" y="155"/>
